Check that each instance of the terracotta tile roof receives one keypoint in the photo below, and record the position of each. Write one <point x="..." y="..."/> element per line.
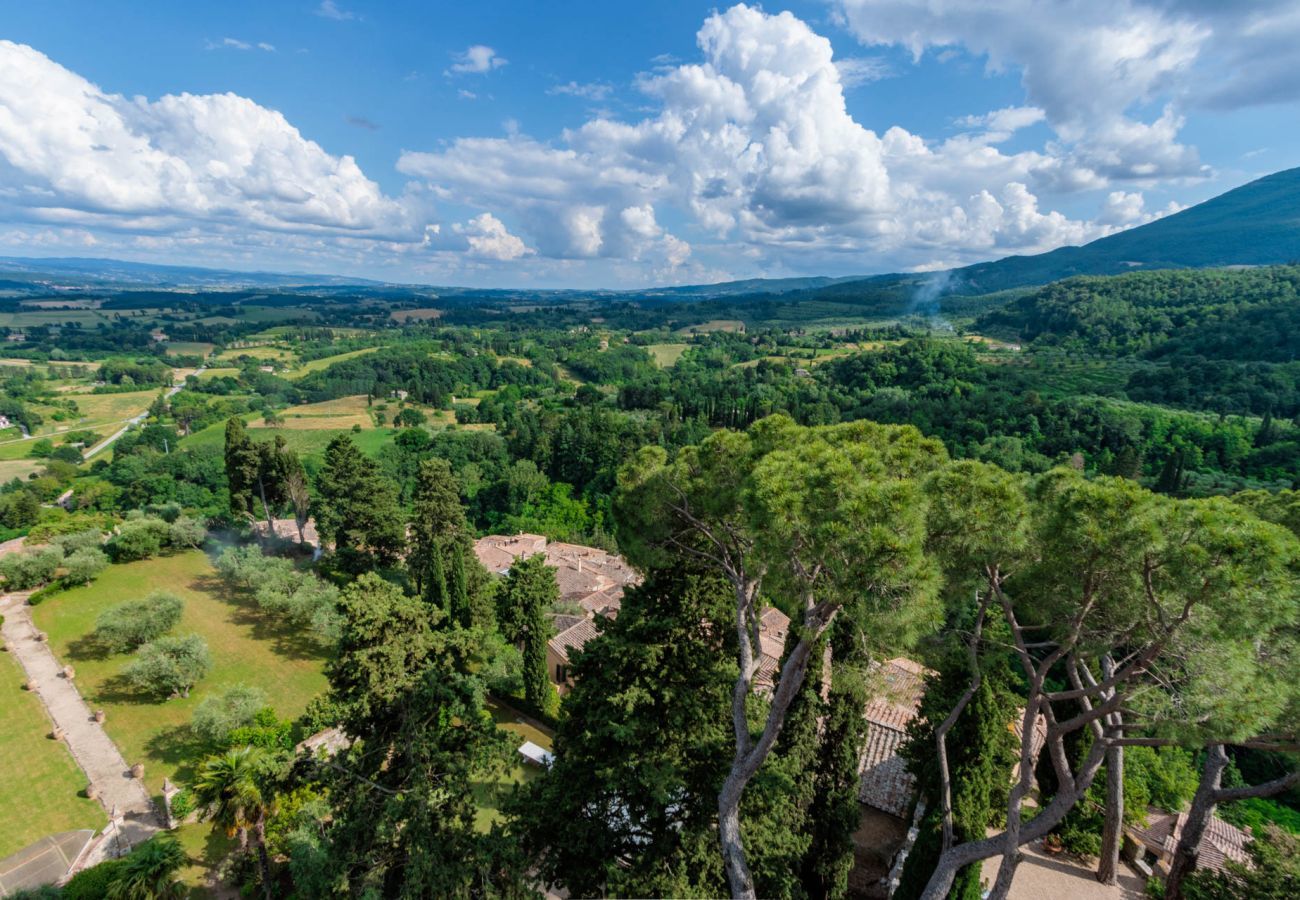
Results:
<point x="564" y="623"/>
<point x="883" y="779"/>
<point x="1221" y="842"/>
<point x="573" y="638"/>
<point x="604" y="603"/>
<point x="773" y="626"/>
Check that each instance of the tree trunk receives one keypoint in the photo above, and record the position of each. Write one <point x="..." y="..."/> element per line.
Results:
<point x="739" y="878"/>
<point x="266" y="509"/>
<point x="263" y="858"/>
<point x="1198" y="818"/>
<point x="1112" y="830"/>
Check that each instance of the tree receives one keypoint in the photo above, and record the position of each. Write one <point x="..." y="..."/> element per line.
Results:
<point x="298" y="491"/>
<point x="228" y="791"/>
<point x="218" y="715"/>
<point x="82" y="566"/>
<point x="1177" y="593"/>
<point x="169" y="666"/>
<point x="149" y="871"/>
<point x="129" y="625"/>
<point x="402" y="795"/>
<point x="458" y="605"/>
<point x="272" y="470"/>
<point x="629" y="806"/>
<point x="241" y="468"/>
<point x="437" y="530"/>
<point x="529" y="591"/>
<point x="409" y="416"/>
<point x="821" y="520"/>
<point x="356" y="508"/>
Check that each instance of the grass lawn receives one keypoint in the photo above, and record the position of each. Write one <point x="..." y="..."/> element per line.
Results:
<point x="307" y="439"/>
<point x="666" y="355"/>
<point x="15" y="449"/>
<point x="246" y="649"/>
<point x="18" y="468"/>
<point x="489" y="795"/>
<point x="40" y="791"/>
<point x="326" y="361"/>
<point x="206" y="846"/>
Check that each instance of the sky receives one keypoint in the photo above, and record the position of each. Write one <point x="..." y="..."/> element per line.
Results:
<point x="620" y="145"/>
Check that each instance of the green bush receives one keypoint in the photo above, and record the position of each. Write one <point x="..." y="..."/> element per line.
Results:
<point x="169" y="666"/>
<point x="236" y="707"/>
<point x="134" y="623"/>
<point x="186" y="533"/>
<point x="22" y="571"/>
<point x="93" y="883"/>
<point x="88" y="539"/>
<point x="139" y="539"/>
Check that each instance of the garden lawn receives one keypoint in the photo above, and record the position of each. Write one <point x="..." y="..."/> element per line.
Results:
<point x="246" y="648"/>
<point x="305" y="441"/>
<point x="489" y="795"/>
<point x="40" y="790"/>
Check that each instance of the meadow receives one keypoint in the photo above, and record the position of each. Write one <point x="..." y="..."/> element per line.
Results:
<point x="666" y="355"/>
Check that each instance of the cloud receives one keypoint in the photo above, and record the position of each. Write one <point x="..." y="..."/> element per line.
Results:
<point x="859" y="70"/>
<point x="361" y="122"/>
<point x="74" y="155"/>
<point x="1095" y="68"/>
<point x="753" y="147"/>
<point x="476" y="60"/>
<point x="488" y="239"/>
<point x="230" y="43"/>
<point x="328" y="9"/>
<point x="596" y="91"/>
<point x="466" y="95"/>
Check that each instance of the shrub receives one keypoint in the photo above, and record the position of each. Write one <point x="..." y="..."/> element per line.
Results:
<point x="236" y="707"/>
<point x="28" y="570"/>
<point x="82" y="566"/>
<point x="186" y="533"/>
<point x="89" y="539"/>
<point x="169" y="666"/>
<point x="183" y="804"/>
<point x="139" y="539"/>
<point x="136" y="622"/>
<point x="93" y="883"/>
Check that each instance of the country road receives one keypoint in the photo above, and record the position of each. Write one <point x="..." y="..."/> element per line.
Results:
<point x="136" y="420"/>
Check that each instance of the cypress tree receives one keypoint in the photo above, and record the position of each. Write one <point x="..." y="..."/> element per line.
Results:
<point x="241" y="468"/>
<point x="435" y="582"/>
<point x="458" y="588"/>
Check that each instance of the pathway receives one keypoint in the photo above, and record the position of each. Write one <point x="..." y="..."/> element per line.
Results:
<point x="89" y="744"/>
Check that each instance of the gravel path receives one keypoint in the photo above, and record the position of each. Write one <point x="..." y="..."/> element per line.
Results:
<point x="90" y="745"/>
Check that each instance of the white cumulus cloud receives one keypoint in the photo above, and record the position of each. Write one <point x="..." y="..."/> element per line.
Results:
<point x="476" y="60"/>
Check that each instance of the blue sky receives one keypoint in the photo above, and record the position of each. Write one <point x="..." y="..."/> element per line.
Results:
<point x="619" y="144"/>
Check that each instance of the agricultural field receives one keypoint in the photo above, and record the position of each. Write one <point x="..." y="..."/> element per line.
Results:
<point x="103" y="409"/>
<point x="266" y="352"/>
<point x="218" y="372"/>
<point x="666" y="355"/>
<point x="18" y="468"/>
<point x="246" y="647"/>
<point x="35" y="766"/>
<point x="316" y="365"/>
<point x="415" y="315"/>
<point x="731" y="325"/>
<point x="189" y="348"/>
<point x="308" y="442"/>
<point x="275" y="314"/>
<point x="338" y="415"/>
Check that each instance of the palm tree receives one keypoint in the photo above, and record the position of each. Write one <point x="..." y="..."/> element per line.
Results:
<point x="149" y="873"/>
<point x="227" y="793"/>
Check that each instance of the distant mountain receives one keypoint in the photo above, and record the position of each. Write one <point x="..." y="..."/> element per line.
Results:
<point x="83" y="272"/>
<point x="1257" y="224"/>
